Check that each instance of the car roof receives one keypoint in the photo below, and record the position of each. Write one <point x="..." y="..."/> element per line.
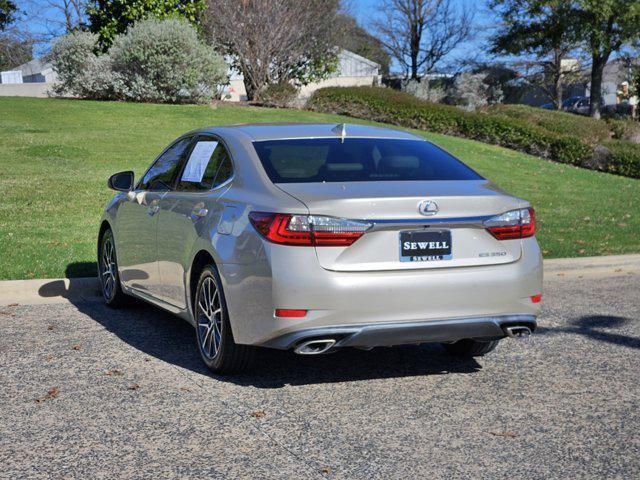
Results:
<point x="280" y="131"/>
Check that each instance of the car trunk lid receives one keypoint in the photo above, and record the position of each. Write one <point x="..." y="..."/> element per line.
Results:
<point x="393" y="208"/>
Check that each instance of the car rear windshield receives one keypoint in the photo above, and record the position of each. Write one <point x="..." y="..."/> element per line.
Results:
<point x="358" y="160"/>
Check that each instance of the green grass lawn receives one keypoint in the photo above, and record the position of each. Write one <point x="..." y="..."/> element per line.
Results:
<point x="56" y="155"/>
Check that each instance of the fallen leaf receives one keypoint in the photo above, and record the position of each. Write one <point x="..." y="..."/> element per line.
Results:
<point x="13" y="305"/>
<point x="135" y="386"/>
<point x="618" y="270"/>
<point x="49" y="358"/>
<point x="185" y="389"/>
<point x="258" y="414"/>
<point x="326" y="470"/>
<point x="113" y="372"/>
<point x="147" y="359"/>
<point x="6" y="314"/>
<point x="582" y="250"/>
<point x="51" y="394"/>
<point x="77" y="347"/>
<point x="51" y="328"/>
<point x="506" y="434"/>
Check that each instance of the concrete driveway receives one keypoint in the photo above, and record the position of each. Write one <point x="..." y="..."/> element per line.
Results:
<point x="88" y="392"/>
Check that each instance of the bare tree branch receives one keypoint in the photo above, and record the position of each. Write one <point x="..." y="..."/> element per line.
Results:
<point x="419" y="34"/>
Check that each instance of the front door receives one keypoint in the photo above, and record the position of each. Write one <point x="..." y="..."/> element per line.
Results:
<point x="138" y="218"/>
<point x="189" y="212"/>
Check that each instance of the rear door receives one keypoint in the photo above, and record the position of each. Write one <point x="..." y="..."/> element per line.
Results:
<point x="412" y="192"/>
<point x="137" y="219"/>
<point x="188" y="211"/>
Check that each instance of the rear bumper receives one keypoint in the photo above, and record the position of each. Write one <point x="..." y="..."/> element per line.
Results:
<point x="390" y="334"/>
<point x="291" y="278"/>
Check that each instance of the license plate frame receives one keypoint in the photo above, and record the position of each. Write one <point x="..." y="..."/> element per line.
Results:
<point x="425" y="245"/>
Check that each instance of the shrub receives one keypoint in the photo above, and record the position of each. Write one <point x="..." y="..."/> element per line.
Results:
<point x="390" y="106"/>
<point x="279" y="94"/>
<point x="625" y="130"/>
<point x="470" y="91"/>
<point x="588" y="129"/>
<point x="623" y="158"/>
<point x="154" y="61"/>
<point x="70" y="56"/>
<point x="165" y="61"/>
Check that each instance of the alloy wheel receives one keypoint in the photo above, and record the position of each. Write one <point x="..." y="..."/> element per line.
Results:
<point x="209" y="319"/>
<point x="108" y="267"/>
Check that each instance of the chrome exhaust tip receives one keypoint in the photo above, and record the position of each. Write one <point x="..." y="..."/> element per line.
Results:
<point x="315" y="347"/>
<point x="517" y="331"/>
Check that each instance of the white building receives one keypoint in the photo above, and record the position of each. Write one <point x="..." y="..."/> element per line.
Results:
<point x="32" y="79"/>
<point x="353" y="71"/>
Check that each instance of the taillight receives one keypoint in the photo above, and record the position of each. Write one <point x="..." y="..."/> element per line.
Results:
<point x="513" y="224"/>
<point x="307" y="230"/>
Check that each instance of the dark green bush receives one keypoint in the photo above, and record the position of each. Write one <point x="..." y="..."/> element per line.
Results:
<point x="587" y="129"/>
<point x="390" y="106"/>
<point x="623" y="158"/>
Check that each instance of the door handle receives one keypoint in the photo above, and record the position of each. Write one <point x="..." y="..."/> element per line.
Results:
<point x="198" y="213"/>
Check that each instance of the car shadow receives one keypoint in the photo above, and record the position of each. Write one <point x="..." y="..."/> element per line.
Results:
<point x="597" y="327"/>
<point x="163" y="336"/>
<point x="172" y="340"/>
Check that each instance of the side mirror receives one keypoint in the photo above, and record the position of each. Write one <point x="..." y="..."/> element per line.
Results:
<point x="121" y="181"/>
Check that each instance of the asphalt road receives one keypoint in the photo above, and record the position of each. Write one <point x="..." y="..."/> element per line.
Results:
<point x="87" y="392"/>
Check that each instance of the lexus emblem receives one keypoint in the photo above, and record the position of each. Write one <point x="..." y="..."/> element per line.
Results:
<point x="428" y="208"/>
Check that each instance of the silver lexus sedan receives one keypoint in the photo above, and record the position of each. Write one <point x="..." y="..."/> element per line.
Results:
<point x="315" y="237"/>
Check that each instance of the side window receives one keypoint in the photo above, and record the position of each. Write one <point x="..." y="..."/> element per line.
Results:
<point x="161" y="174"/>
<point x="208" y="166"/>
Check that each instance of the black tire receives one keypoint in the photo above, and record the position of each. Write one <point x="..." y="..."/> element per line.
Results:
<point x="218" y="350"/>
<point x="470" y="348"/>
<point x="108" y="272"/>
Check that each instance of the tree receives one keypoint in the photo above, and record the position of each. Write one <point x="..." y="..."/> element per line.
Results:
<point x="356" y="39"/>
<point x="13" y="51"/>
<point x="421" y="33"/>
<point x="606" y="26"/>
<point x="543" y="29"/>
<point x="71" y="12"/>
<point x="275" y="41"/>
<point x="15" y="46"/>
<point x="7" y="13"/>
<point x="108" y="18"/>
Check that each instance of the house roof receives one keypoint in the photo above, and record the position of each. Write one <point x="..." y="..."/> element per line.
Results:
<point x="345" y="54"/>
<point x="33" y="67"/>
<point x="359" y="58"/>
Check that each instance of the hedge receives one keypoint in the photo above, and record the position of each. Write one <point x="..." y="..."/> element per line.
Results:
<point x="587" y="129"/>
<point x="513" y="128"/>
<point x="623" y="158"/>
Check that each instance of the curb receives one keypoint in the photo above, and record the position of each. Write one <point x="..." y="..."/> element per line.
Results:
<point x="70" y="290"/>
<point x="46" y="291"/>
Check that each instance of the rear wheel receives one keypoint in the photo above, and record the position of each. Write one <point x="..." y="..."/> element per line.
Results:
<point x="217" y="348"/>
<point x="470" y="348"/>
<point x="108" y="271"/>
